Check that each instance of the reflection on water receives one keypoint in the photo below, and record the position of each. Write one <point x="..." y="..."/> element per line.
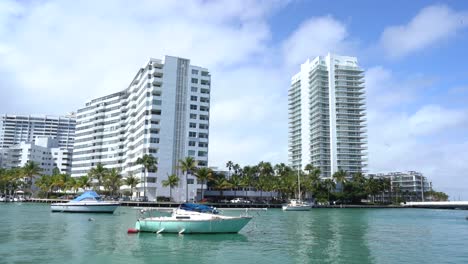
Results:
<point x="30" y="233"/>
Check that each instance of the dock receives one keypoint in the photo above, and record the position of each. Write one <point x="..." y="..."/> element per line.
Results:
<point x="438" y="205"/>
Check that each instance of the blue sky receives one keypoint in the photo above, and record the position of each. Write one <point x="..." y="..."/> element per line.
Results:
<point x="55" y="55"/>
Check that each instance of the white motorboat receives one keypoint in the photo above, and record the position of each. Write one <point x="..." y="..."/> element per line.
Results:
<point x="297" y="204"/>
<point x="192" y="218"/>
<point x="88" y="202"/>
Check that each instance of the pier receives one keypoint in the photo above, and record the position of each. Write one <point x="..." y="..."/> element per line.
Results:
<point x="438" y="205"/>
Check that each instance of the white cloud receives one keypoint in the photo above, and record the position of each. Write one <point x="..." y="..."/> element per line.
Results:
<point x="428" y="138"/>
<point x="66" y="48"/>
<point x="316" y="36"/>
<point x="433" y="118"/>
<point x="431" y="25"/>
<point x="58" y="55"/>
<point x="385" y="90"/>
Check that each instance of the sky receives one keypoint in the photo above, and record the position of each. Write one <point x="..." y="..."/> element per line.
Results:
<point x="56" y="55"/>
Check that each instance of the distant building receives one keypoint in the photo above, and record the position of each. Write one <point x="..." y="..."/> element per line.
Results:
<point x="44" y="151"/>
<point x="26" y="128"/>
<point x="327" y="115"/>
<point x="164" y="112"/>
<point x="409" y="185"/>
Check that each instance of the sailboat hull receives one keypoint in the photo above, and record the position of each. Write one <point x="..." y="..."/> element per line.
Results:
<point x="190" y="227"/>
<point x="296" y="208"/>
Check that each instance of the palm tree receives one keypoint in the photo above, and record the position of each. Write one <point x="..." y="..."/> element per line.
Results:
<point x="98" y="173"/>
<point x="131" y="181"/>
<point x="229" y="165"/>
<point x="340" y="177"/>
<point x="172" y="181"/>
<point x="221" y="184"/>
<point x="187" y="166"/>
<point x="329" y="184"/>
<point x="113" y="181"/>
<point x="237" y="169"/>
<point x="84" y="182"/>
<point x="203" y="175"/>
<point x="31" y="170"/>
<point x="236" y="182"/>
<point x="45" y="184"/>
<point x="309" y="168"/>
<point x="148" y="162"/>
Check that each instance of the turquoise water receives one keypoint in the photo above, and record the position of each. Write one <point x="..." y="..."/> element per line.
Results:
<point x="30" y="233"/>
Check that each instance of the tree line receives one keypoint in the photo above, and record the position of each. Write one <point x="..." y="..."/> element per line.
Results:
<point x="263" y="177"/>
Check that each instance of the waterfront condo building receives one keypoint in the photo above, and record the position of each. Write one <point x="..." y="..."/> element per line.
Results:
<point x="163" y="112"/>
<point x="410" y="185"/>
<point x="327" y="115"/>
<point x="15" y="129"/>
<point x="44" y="151"/>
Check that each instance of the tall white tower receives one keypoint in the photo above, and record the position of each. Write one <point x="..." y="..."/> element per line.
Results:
<point x="327" y="124"/>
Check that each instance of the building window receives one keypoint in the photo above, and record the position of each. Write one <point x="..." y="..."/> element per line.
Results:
<point x="152" y="151"/>
<point x="190" y="181"/>
<point x="193" y="98"/>
<point x="193" y="107"/>
<point x="204" y="73"/>
<point x="191" y="152"/>
<point x="194" y="89"/>
<point x="194" y="80"/>
<point x="193" y="125"/>
<point x="192" y="134"/>
<point x="193" y="116"/>
<point x="194" y="71"/>
<point x="154" y="140"/>
<point x="191" y="143"/>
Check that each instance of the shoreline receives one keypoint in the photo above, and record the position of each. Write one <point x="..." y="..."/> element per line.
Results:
<point x="257" y="206"/>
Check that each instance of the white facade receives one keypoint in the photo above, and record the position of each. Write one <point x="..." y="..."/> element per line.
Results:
<point x="45" y="152"/>
<point x="411" y="184"/>
<point x="26" y="128"/>
<point x="327" y="115"/>
<point x="163" y="112"/>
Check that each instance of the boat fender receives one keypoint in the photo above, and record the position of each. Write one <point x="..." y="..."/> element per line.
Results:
<point x="132" y="231"/>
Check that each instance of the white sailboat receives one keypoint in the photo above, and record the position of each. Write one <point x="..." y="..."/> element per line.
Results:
<point x="297" y="204"/>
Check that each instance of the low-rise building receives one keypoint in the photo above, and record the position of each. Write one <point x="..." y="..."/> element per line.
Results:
<point x="44" y="151"/>
<point x="410" y="186"/>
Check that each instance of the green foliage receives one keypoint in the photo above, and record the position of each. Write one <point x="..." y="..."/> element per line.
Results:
<point x="150" y="164"/>
<point x="187" y="166"/>
<point x="203" y="175"/>
<point x="172" y="181"/>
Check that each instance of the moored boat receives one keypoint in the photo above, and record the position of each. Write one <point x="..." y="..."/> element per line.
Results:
<point x="297" y="205"/>
<point x="193" y="218"/>
<point x="88" y="202"/>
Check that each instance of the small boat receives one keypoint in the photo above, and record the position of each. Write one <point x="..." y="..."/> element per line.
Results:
<point x="88" y="202"/>
<point x="192" y="218"/>
<point x="297" y="204"/>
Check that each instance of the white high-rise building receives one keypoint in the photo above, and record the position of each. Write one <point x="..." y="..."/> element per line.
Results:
<point x="163" y="112"/>
<point x="15" y="129"/>
<point x="327" y="115"/>
<point x="44" y="151"/>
